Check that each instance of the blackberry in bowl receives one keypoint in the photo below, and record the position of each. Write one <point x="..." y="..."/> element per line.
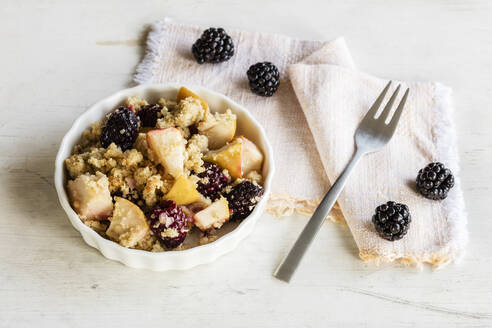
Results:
<point x="435" y="181"/>
<point x="243" y="198"/>
<point x="120" y="128"/>
<point x="212" y="181"/>
<point x="149" y="114"/>
<point x="169" y="223"/>
<point x="392" y="220"/>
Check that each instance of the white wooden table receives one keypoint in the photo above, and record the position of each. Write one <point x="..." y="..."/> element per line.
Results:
<point x="57" y="57"/>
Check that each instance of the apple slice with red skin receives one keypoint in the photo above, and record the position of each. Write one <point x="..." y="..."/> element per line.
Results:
<point x="239" y="157"/>
<point x="169" y="147"/>
<point x="220" y="129"/>
<point x="252" y="158"/>
<point x="90" y="196"/>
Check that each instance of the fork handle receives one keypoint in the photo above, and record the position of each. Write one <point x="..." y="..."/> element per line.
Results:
<point x="287" y="267"/>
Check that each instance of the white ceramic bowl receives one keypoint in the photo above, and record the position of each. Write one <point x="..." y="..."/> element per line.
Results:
<point x="180" y="260"/>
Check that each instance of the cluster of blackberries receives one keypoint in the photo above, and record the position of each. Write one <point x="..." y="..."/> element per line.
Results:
<point x="121" y="126"/>
<point x="242" y="197"/>
<point x="169" y="222"/>
<point x="216" y="46"/>
<point x="393" y="219"/>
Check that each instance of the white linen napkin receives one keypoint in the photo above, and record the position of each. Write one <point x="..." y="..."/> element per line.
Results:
<point x="334" y="99"/>
<point x="326" y="98"/>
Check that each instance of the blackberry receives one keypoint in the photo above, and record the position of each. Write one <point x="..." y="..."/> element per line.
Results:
<point x="121" y="127"/>
<point x="193" y="130"/>
<point x="392" y="220"/>
<point x="243" y="198"/>
<point x="214" y="46"/>
<point x="434" y="181"/>
<point x="212" y="181"/>
<point x="264" y="78"/>
<point x="169" y="223"/>
<point x="148" y="115"/>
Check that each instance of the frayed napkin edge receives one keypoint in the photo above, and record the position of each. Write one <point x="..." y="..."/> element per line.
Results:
<point x="146" y="67"/>
<point x="447" y="148"/>
<point x="281" y="204"/>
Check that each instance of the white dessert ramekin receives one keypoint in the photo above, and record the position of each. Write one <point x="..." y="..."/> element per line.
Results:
<point x="171" y="260"/>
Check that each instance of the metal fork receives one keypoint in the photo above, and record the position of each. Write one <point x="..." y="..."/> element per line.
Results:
<point x="372" y="134"/>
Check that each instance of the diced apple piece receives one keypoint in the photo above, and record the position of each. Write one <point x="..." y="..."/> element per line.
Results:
<point x="184" y="93"/>
<point x="220" y="133"/>
<point x="128" y="225"/>
<point x="213" y="216"/>
<point x="219" y="128"/>
<point x="239" y="157"/>
<point x="227" y="157"/>
<point x="168" y="146"/>
<point x="90" y="196"/>
<point x="183" y="192"/>
<point x="252" y="158"/>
